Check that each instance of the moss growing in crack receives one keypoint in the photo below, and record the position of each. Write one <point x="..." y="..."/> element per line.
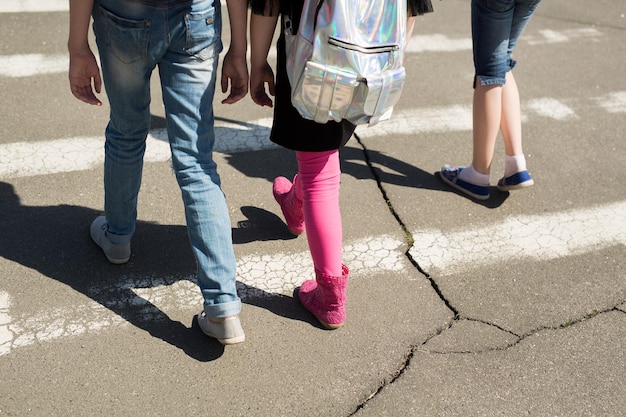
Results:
<point x="578" y="320"/>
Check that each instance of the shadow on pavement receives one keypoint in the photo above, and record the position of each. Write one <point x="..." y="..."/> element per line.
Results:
<point x="356" y="161"/>
<point x="54" y="240"/>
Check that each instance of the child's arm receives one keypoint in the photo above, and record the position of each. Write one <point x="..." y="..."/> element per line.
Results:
<point x="261" y="34"/>
<point x="235" y="67"/>
<point x="83" y="65"/>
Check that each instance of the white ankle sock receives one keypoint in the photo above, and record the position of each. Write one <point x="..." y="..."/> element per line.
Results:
<point x="469" y="174"/>
<point x="514" y="164"/>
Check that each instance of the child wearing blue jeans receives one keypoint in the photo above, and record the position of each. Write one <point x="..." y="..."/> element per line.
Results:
<point x="496" y="28"/>
<point x="182" y="39"/>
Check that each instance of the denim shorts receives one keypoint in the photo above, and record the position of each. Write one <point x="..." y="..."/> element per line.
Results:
<point x="161" y="3"/>
<point x="496" y="27"/>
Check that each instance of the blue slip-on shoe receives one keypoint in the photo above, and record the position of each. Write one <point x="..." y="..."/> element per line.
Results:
<point x="516" y="181"/>
<point x="450" y="175"/>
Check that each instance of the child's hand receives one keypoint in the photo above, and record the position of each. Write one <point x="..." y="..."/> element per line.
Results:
<point x="235" y="71"/>
<point x="258" y="78"/>
<point x="83" y="70"/>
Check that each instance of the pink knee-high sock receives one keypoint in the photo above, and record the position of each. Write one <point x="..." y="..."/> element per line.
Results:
<point x="319" y="176"/>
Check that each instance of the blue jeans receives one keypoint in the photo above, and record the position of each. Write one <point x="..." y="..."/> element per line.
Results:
<point x="496" y="27"/>
<point x="183" y="39"/>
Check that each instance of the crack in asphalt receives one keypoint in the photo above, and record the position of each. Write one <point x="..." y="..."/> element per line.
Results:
<point x="457" y="317"/>
<point x="408" y="234"/>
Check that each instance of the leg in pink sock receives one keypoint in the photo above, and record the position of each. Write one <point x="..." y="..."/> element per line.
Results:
<point x="319" y="176"/>
<point x="290" y="201"/>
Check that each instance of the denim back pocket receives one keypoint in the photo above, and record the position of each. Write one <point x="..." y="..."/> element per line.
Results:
<point x="127" y="39"/>
<point x="203" y="33"/>
<point x="500" y="6"/>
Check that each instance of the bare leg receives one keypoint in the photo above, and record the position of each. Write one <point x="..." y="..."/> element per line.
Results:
<point x="487" y="115"/>
<point x="511" y="123"/>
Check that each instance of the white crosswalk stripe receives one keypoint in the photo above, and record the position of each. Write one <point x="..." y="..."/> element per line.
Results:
<point x="32" y="64"/>
<point x="24" y="159"/>
<point x="257" y="276"/>
<point x="33" y="6"/>
<point x="540" y="237"/>
<point x="536" y="237"/>
<point x="17" y="66"/>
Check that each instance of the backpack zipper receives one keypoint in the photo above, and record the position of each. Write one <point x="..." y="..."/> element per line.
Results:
<point x="364" y="49"/>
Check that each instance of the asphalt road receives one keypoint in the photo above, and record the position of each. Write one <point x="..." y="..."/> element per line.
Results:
<point x="512" y="306"/>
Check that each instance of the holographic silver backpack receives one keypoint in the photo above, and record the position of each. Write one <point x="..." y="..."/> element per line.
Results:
<point x="345" y="61"/>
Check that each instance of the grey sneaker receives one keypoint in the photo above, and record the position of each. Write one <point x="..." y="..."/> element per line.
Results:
<point x="116" y="254"/>
<point x="227" y="332"/>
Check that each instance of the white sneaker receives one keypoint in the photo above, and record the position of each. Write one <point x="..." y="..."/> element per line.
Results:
<point x="115" y="253"/>
<point x="228" y="332"/>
